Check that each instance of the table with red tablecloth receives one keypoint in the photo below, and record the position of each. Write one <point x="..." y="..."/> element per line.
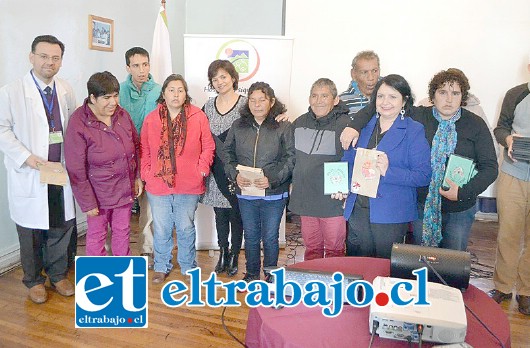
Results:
<point x="301" y="326"/>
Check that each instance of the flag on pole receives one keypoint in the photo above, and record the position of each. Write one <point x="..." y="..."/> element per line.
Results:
<point x="161" y="66"/>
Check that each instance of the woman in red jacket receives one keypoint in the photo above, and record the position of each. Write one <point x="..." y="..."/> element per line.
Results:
<point x="177" y="150"/>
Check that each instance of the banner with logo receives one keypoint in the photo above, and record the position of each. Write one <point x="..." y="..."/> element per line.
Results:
<point x="256" y="58"/>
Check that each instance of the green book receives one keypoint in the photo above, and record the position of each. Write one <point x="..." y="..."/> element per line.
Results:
<point x="459" y="169"/>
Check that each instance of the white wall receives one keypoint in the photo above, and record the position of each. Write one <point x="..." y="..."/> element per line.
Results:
<point x="234" y="17"/>
<point x="488" y="40"/>
<point x="21" y="21"/>
<point x="134" y="22"/>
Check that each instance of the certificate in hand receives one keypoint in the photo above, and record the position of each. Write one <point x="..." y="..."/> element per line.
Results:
<point x="251" y="174"/>
<point x="53" y="173"/>
<point x="366" y="175"/>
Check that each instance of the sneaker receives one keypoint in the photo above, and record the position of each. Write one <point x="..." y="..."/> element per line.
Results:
<point x="135" y="209"/>
<point x="499" y="296"/>
<point x="250" y="277"/>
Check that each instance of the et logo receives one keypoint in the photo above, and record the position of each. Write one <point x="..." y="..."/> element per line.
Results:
<point x="110" y="292"/>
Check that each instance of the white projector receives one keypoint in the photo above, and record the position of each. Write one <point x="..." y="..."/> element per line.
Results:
<point x="444" y="320"/>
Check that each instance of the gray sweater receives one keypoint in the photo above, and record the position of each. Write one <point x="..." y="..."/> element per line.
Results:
<point x="514" y="118"/>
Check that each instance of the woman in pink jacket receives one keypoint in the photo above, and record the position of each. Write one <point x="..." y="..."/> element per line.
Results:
<point x="177" y="150"/>
<point x="100" y="150"/>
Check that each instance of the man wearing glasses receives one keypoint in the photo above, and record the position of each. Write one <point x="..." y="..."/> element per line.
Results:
<point x="34" y="112"/>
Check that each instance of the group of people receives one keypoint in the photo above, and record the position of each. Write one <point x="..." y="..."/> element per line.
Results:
<point x="139" y="136"/>
<point x="452" y="125"/>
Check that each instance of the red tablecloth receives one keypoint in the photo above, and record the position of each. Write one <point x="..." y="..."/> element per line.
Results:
<point x="308" y="327"/>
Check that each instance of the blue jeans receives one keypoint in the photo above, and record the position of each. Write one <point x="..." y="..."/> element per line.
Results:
<point x="261" y="221"/>
<point x="174" y="211"/>
<point x="455" y="228"/>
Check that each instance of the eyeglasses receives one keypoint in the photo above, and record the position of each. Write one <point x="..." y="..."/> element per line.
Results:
<point x="46" y="57"/>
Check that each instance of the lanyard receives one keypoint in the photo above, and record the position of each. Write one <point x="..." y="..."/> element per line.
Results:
<point x="48" y="105"/>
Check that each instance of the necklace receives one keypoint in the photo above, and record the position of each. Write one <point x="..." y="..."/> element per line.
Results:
<point x="377" y="133"/>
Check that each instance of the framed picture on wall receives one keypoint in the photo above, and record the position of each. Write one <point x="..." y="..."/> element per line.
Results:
<point x="100" y="33"/>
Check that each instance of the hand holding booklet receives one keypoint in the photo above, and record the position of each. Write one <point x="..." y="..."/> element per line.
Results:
<point x="53" y="173"/>
<point x="521" y="148"/>
<point x="251" y="174"/>
<point x="459" y="169"/>
<point x="366" y="175"/>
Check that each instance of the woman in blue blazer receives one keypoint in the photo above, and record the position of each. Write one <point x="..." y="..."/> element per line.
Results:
<point x="376" y="223"/>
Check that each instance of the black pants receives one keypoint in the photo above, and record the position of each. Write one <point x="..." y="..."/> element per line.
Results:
<point x="374" y="240"/>
<point x="47" y="250"/>
<point x="229" y="220"/>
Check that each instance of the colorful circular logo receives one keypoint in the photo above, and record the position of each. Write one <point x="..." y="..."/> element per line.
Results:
<point x="243" y="55"/>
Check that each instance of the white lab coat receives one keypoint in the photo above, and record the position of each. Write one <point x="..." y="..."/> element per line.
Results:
<point x="24" y="131"/>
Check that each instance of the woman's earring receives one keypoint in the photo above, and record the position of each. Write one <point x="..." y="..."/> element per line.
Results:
<point x="377" y="115"/>
<point x="402" y="112"/>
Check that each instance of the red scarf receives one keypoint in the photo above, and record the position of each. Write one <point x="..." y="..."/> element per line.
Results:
<point x="172" y="140"/>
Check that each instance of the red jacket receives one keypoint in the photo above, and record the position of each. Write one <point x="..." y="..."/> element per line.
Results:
<point x="196" y="158"/>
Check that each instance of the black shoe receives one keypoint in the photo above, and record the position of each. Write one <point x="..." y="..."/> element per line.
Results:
<point x="222" y="263"/>
<point x="135" y="209"/>
<point x="232" y="267"/>
<point x="269" y="278"/>
<point x="499" y="296"/>
<point x="250" y="277"/>
<point x="524" y="304"/>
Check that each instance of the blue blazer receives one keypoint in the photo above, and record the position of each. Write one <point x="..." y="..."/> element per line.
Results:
<point x="409" y="158"/>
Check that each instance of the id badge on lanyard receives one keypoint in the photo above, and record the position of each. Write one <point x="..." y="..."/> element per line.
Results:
<point x="55" y="137"/>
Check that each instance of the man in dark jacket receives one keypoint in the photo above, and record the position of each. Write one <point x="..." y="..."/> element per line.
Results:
<point x="316" y="136"/>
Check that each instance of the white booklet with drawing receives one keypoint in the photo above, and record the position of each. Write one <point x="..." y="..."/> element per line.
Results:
<point x="366" y="175"/>
<point x="251" y="174"/>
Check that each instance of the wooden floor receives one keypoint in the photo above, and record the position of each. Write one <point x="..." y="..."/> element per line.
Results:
<point x="24" y="324"/>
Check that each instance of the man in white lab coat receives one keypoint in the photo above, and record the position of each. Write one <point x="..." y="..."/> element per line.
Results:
<point x="34" y="112"/>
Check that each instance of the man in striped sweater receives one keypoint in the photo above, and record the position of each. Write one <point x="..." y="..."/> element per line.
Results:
<point x="365" y="74"/>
